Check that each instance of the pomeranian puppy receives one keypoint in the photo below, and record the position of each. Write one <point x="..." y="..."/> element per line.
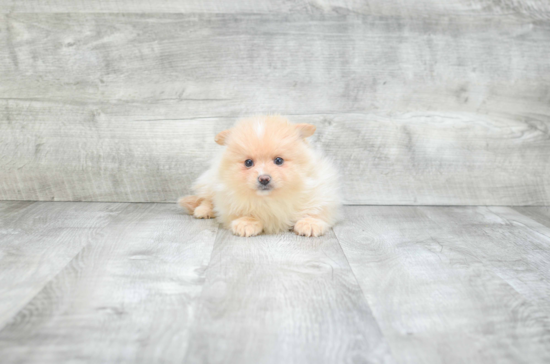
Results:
<point x="268" y="178"/>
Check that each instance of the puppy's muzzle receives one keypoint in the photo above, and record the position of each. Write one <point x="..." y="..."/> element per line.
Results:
<point x="264" y="179"/>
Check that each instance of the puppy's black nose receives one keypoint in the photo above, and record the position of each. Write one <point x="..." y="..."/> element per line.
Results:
<point x="264" y="179"/>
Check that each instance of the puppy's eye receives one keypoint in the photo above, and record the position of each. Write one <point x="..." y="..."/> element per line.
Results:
<point x="249" y="162"/>
<point x="278" y="161"/>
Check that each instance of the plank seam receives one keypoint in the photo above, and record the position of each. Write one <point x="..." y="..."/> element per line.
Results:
<point x="363" y="294"/>
<point x="198" y="300"/>
<point x="4" y="325"/>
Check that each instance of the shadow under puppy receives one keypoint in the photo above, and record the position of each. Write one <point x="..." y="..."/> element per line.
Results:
<point x="268" y="179"/>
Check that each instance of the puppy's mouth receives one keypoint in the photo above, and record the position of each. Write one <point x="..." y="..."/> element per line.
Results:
<point x="264" y="189"/>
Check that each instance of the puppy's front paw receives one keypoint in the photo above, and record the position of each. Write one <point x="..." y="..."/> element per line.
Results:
<point x="246" y="226"/>
<point x="310" y="226"/>
<point x="203" y="212"/>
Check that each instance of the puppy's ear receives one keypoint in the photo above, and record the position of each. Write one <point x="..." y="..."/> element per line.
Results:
<point x="220" y="138"/>
<point x="306" y="130"/>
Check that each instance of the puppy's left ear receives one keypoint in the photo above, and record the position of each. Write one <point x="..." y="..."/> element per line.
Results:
<point x="306" y="130"/>
<point x="220" y="138"/>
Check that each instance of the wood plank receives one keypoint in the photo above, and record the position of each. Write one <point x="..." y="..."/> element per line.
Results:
<point x="435" y="296"/>
<point x="513" y="245"/>
<point x="37" y="240"/>
<point x="541" y="214"/>
<point x="283" y="299"/>
<point x="131" y="294"/>
<point x="11" y="210"/>
<point x="524" y="261"/>
<point x="414" y="158"/>
<point x="220" y="65"/>
<point x="123" y="107"/>
<point x="537" y="9"/>
<point x="440" y="158"/>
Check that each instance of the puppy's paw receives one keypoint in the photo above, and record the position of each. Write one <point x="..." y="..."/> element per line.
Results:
<point x="190" y="203"/>
<point x="204" y="212"/>
<point x="310" y="226"/>
<point x="246" y="226"/>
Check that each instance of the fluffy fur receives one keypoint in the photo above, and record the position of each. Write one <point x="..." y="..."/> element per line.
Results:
<point x="302" y="193"/>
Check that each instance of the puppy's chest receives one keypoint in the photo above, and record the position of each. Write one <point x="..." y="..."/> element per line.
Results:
<point x="267" y="209"/>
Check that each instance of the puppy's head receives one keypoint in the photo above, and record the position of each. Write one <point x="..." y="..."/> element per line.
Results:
<point x="264" y="155"/>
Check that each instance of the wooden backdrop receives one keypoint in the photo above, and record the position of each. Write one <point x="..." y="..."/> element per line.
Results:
<point x="419" y="102"/>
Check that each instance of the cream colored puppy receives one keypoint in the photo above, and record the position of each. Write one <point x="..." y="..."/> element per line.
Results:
<point x="268" y="179"/>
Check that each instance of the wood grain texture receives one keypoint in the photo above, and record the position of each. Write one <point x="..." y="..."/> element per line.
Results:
<point x="443" y="282"/>
<point x="129" y="297"/>
<point x="225" y="65"/>
<point x="541" y="214"/>
<point x="283" y="299"/>
<point x="123" y="107"/>
<point x="524" y="261"/>
<point x="538" y="9"/>
<point x="414" y="158"/>
<point x="102" y="282"/>
<point x="37" y="240"/>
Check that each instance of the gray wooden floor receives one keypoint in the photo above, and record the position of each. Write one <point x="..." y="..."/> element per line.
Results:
<point x="120" y="282"/>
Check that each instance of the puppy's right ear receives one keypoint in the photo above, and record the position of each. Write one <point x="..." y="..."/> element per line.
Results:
<point x="305" y="130"/>
<point x="220" y="138"/>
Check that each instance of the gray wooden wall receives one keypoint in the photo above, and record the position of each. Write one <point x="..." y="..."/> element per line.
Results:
<point x="419" y="102"/>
